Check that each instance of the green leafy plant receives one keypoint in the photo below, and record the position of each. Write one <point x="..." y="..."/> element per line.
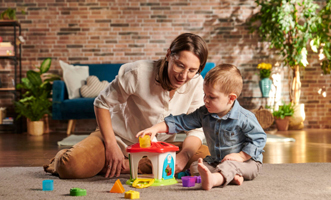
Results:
<point x="291" y="26"/>
<point x="9" y="14"/>
<point x="284" y="111"/>
<point x="36" y="99"/>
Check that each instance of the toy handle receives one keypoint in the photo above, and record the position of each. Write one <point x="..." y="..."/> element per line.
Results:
<point x="137" y="185"/>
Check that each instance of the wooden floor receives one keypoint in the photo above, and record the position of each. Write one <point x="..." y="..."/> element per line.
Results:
<point x="311" y="145"/>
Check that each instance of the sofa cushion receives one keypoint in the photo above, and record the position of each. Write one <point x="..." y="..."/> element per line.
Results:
<point x="93" y="87"/>
<point x="74" y="78"/>
<point x="208" y="66"/>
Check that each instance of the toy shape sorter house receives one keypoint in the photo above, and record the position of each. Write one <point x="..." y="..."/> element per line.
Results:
<point x="162" y="156"/>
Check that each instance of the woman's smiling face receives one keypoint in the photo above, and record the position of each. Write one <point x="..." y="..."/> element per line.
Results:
<point x="182" y="67"/>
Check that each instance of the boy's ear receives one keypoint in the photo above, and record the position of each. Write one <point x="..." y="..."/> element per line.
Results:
<point x="233" y="97"/>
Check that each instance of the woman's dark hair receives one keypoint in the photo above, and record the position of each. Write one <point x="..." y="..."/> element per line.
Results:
<point x="184" y="42"/>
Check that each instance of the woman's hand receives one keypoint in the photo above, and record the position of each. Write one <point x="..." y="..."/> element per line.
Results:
<point x="114" y="161"/>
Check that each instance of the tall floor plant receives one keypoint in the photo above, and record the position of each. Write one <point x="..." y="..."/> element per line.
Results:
<point x="291" y="26"/>
<point x="35" y="101"/>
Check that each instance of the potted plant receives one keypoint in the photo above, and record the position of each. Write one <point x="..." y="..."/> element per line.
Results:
<point x="265" y="82"/>
<point x="35" y="102"/>
<point x="9" y="14"/>
<point x="291" y="26"/>
<point x="282" y="116"/>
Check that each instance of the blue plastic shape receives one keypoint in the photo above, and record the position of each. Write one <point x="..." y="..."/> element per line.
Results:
<point x="48" y="185"/>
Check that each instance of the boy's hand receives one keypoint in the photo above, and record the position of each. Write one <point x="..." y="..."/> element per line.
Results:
<point x="152" y="131"/>
<point x="240" y="157"/>
<point x="149" y="131"/>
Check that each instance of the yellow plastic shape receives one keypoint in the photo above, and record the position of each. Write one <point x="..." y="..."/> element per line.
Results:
<point x="142" y="183"/>
<point x="131" y="195"/>
<point x="145" y="142"/>
<point x="117" y="187"/>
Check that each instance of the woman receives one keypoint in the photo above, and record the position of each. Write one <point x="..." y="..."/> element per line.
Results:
<point x="142" y="94"/>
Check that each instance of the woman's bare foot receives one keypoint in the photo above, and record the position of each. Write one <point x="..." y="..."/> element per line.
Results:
<point x="208" y="179"/>
<point x="238" y="180"/>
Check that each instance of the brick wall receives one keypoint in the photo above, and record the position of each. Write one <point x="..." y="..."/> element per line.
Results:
<point x="119" y="31"/>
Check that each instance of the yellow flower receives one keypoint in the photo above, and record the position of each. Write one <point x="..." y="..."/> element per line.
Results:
<point x="264" y="66"/>
<point x="265" y="70"/>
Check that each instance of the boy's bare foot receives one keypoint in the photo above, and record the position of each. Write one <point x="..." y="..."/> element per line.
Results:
<point x="208" y="179"/>
<point x="238" y="180"/>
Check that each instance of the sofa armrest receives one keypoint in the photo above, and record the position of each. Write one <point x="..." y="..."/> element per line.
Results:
<point x="59" y="94"/>
<point x="59" y="91"/>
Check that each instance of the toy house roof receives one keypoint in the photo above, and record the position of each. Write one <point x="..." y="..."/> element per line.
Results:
<point x="156" y="147"/>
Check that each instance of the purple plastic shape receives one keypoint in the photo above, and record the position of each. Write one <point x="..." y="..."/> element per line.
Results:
<point x="188" y="181"/>
<point x="180" y="175"/>
<point x="198" y="179"/>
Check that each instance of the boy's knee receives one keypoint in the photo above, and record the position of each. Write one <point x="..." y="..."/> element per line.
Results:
<point x="194" y="169"/>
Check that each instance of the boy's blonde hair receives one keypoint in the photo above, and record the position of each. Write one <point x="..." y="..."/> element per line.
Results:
<point x="227" y="77"/>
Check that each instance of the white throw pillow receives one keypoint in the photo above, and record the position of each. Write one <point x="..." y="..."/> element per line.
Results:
<point x="74" y="78"/>
<point x="93" y="87"/>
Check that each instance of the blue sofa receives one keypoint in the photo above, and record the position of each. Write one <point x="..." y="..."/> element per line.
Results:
<point x="82" y="108"/>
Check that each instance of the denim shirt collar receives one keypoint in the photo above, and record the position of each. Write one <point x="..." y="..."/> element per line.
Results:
<point x="233" y="114"/>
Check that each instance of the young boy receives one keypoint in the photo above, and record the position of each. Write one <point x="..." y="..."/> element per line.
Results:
<point x="234" y="136"/>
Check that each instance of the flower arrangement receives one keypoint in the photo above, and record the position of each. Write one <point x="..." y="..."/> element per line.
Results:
<point x="265" y="70"/>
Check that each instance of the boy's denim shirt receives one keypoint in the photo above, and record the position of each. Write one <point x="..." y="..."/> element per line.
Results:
<point x="237" y="131"/>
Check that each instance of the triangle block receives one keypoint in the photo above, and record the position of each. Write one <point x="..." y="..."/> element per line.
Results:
<point x="117" y="187"/>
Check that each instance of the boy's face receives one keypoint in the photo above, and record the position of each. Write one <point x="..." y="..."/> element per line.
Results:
<point x="217" y="102"/>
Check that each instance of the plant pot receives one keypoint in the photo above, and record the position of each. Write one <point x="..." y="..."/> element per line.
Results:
<point x="35" y="127"/>
<point x="265" y="86"/>
<point x="282" y="124"/>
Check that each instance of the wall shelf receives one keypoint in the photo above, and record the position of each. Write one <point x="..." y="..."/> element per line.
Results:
<point x="7" y="89"/>
<point x="16" y="126"/>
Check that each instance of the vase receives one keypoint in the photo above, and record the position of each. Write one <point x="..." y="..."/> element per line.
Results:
<point x="265" y="86"/>
<point x="299" y="116"/>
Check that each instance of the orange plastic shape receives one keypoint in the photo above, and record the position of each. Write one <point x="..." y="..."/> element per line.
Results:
<point x="117" y="187"/>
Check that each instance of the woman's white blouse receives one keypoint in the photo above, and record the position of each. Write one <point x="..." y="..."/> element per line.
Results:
<point x="136" y="101"/>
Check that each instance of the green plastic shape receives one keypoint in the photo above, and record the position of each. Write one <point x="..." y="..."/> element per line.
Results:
<point x="77" y="192"/>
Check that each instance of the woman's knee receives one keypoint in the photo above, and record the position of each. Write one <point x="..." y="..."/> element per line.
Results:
<point x="83" y="160"/>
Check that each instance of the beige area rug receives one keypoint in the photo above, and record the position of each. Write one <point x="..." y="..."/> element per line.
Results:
<point x="276" y="181"/>
<point x="73" y="139"/>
